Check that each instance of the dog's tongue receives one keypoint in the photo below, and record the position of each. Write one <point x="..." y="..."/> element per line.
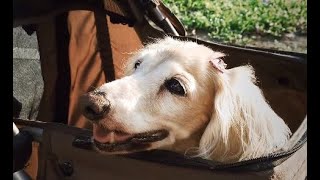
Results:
<point x="103" y="135"/>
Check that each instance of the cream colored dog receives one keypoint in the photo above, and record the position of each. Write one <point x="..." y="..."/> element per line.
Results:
<point x="179" y="96"/>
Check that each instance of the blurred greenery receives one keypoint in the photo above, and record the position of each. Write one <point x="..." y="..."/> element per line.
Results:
<point x="240" y="21"/>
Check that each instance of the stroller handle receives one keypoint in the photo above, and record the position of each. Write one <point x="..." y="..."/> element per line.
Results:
<point x="15" y="129"/>
<point x="22" y="149"/>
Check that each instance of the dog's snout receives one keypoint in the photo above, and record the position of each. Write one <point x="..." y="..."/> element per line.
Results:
<point x="95" y="106"/>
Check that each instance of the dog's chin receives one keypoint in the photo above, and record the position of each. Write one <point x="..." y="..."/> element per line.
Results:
<point x="132" y="143"/>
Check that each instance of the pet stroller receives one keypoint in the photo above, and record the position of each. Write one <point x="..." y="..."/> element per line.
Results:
<point x="64" y="48"/>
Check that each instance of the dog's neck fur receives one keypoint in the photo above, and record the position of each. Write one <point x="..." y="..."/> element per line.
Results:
<point x="189" y="145"/>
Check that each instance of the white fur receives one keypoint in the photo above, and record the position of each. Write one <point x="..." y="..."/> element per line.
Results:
<point x="224" y="116"/>
<point x="240" y="107"/>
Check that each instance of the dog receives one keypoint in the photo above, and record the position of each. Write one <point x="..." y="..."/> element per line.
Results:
<point x="179" y="96"/>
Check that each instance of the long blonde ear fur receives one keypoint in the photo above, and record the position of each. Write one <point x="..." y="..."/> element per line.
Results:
<point x="243" y="125"/>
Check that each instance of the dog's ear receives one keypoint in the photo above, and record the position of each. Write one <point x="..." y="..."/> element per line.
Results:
<point x="214" y="140"/>
<point x="217" y="62"/>
<point x="242" y="124"/>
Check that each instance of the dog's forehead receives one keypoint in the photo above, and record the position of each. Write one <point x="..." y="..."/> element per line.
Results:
<point x="174" y="57"/>
<point x="184" y="52"/>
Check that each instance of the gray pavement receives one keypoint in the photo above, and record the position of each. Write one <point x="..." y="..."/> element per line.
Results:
<point x="27" y="79"/>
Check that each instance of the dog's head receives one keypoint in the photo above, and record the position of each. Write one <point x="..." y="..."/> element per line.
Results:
<point x="175" y="95"/>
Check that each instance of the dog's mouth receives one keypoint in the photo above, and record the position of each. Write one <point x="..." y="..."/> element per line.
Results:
<point x="117" y="141"/>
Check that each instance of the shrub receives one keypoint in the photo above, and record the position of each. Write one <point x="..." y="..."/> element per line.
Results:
<point x="239" y="21"/>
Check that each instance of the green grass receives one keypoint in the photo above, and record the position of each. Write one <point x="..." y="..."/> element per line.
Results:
<point x="239" y="21"/>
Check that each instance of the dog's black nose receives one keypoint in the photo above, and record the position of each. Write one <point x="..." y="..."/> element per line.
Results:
<point x="95" y="106"/>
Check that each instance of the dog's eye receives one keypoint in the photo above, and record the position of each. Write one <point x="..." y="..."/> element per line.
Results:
<point x="174" y="86"/>
<point x="137" y="64"/>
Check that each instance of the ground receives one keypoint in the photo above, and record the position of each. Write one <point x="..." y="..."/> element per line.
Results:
<point x="270" y="24"/>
